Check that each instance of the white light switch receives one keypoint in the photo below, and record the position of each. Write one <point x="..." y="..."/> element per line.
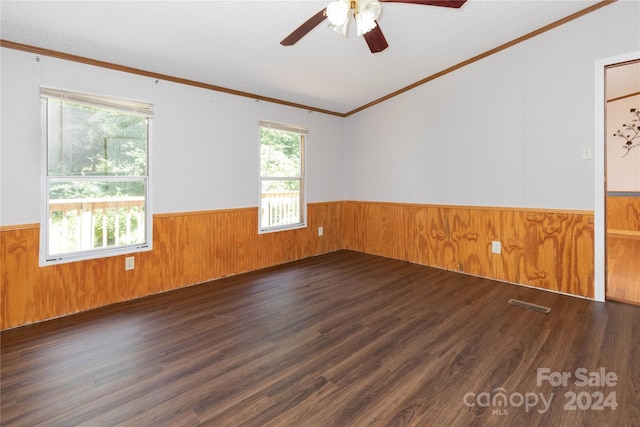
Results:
<point x="586" y="153"/>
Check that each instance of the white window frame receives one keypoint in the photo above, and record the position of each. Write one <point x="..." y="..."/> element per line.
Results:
<point x="143" y="108"/>
<point x="302" y="132"/>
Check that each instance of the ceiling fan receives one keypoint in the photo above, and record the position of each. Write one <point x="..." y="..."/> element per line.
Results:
<point x="365" y="13"/>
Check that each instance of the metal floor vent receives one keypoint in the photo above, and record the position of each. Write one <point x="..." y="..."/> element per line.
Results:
<point x="530" y="306"/>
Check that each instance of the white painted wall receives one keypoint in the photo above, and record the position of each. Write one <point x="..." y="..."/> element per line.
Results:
<point x="504" y="131"/>
<point x="204" y="147"/>
<point x="20" y="179"/>
<point x="623" y="173"/>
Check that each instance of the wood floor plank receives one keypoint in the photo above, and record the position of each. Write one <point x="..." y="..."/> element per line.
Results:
<point x="343" y="339"/>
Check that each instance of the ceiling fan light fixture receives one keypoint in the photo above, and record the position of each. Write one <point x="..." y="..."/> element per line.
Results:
<point x="338" y="12"/>
<point x="341" y="29"/>
<point x="338" y="15"/>
<point x="365" y="13"/>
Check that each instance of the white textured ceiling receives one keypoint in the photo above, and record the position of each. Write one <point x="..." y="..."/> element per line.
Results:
<point x="235" y="44"/>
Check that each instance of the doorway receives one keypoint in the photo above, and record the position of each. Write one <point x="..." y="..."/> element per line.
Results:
<point x="622" y="154"/>
<point x="600" y="211"/>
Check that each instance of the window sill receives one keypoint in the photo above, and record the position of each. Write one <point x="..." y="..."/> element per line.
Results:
<point x="94" y="254"/>
<point x="282" y="228"/>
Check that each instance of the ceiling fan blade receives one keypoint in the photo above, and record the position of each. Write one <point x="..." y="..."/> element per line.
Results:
<point x="375" y="39"/>
<point x="445" y="3"/>
<point x="303" y="29"/>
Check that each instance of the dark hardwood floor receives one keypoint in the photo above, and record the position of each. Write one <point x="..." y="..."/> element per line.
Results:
<point x="336" y="340"/>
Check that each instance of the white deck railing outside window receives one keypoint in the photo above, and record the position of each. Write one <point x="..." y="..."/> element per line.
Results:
<point x="281" y="208"/>
<point x="81" y="224"/>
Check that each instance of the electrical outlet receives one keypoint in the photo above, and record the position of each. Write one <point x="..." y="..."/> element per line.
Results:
<point x="320" y="231"/>
<point x="129" y="263"/>
<point x="496" y="247"/>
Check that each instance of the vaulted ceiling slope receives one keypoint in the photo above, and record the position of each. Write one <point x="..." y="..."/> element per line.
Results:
<point x="236" y="44"/>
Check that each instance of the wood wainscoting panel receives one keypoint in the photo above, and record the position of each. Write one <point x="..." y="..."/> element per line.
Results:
<point x="545" y="249"/>
<point x="188" y="248"/>
<point x="16" y="301"/>
<point x="623" y="213"/>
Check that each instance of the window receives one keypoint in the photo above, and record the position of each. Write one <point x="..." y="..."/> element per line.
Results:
<point x="282" y="184"/>
<point x="96" y="176"/>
